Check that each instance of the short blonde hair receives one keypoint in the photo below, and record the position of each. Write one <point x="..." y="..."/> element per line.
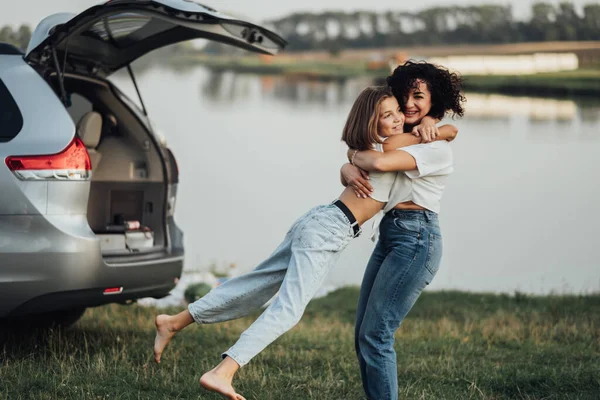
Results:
<point x="360" y="131"/>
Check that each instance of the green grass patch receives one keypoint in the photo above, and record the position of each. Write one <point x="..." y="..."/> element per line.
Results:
<point x="453" y="345"/>
<point x="568" y="83"/>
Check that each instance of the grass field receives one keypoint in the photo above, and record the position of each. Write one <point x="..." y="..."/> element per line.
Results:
<point x="581" y="83"/>
<point x="452" y="346"/>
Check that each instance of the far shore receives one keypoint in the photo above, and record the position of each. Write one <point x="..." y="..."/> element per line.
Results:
<point x="581" y="82"/>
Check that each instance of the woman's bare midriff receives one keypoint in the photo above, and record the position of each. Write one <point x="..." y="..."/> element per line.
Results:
<point x="362" y="209"/>
<point x="365" y="209"/>
<point x="408" y="205"/>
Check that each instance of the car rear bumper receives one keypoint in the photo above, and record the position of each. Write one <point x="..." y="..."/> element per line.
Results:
<point x="49" y="264"/>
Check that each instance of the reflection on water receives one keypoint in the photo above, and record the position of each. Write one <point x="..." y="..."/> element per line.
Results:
<point x="228" y="86"/>
<point x="496" y="106"/>
<point x="256" y="152"/>
<point x="502" y="107"/>
<point x="223" y="86"/>
<point x="323" y="93"/>
<point x="590" y="114"/>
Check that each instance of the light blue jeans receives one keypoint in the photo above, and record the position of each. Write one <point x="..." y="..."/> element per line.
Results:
<point x="296" y="269"/>
<point x="404" y="262"/>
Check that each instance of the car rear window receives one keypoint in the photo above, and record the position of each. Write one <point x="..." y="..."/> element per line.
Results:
<point x="11" y="120"/>
<point x="126" y="29"/>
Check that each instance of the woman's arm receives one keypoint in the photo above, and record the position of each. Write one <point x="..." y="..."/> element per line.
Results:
<point x="371" y="160"/>
<point x="446" y="132"/>
<point x="342" y="178"/>
<point x="357" y="179"/>
<point x="427" y="130"/>
<point x="402" y="140"/>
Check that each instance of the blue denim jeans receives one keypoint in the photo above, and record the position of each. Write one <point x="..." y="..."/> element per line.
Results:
<point x="296" y="269"/>
<point x="404" y="262"/>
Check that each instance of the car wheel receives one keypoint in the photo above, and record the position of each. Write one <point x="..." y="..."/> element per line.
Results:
<point x="62" y="318"/>
<point x="27" y="325"/>
<point x="52" y="319"/>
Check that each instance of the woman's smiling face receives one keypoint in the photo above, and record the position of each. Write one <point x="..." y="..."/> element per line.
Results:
<point x="391" y="118"/>
<point x="418" y="103"/>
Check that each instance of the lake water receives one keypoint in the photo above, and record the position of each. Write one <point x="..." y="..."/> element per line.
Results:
<point x="519" y="213"/>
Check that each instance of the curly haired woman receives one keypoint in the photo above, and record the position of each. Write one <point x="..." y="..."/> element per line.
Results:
<point x="408" y="253"/>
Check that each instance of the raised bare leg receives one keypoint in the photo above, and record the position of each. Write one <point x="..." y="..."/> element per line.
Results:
<point x="166" y="327"/>
<point x="220" y="379"/>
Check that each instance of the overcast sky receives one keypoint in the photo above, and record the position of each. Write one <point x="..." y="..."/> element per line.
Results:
<point x="15" y="12"/>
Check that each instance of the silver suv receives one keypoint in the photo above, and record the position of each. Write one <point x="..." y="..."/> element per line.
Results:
<point x="87" y="189"/>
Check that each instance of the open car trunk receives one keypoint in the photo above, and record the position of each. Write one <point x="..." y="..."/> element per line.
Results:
<point x="132" y="190"/>
<point x="128" y="190"/>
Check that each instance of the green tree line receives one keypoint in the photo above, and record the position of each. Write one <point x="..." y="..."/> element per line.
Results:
<point x="19" y="37"/>
<point x="482" y="24"/>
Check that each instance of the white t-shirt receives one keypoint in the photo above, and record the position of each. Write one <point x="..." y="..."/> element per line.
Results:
<point x="423" y="186"/>
<point x="381" y="182"/>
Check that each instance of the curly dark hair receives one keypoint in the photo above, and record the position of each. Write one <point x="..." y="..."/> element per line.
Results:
<point x="445" y="86"/>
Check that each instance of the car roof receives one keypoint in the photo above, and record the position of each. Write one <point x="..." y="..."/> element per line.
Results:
<point x="9" y="49"/>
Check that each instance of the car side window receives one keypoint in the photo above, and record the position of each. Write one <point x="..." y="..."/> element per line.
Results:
<point x="11" y="119"/>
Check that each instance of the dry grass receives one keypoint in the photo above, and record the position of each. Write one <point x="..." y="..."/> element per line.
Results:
<point x="452" y="346"/>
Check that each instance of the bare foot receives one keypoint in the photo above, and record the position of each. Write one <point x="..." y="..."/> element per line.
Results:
<point x="220" y="383"/>
<point x="164" y="334"/>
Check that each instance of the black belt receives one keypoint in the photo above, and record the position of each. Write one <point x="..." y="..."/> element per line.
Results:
<point x="349" y="215"/>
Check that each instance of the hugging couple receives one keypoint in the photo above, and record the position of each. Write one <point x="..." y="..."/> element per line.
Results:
<point x="399" y="161"/>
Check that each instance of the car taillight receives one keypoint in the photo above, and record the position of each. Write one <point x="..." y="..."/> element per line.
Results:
<point x="113" y="290"/>
<point x="73" y="163"/>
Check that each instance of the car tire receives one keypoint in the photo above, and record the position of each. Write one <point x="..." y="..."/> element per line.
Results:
<point x="33" y="324"/>
<point x="51" y="319"/>
<point x="59" y="319"/>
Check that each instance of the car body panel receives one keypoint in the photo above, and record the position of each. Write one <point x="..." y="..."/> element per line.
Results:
<point x="59" y="255"/>
<point x="47" y="126"/>
<point x="47" y="129"/>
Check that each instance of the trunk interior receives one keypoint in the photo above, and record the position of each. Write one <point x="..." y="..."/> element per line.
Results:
<point x="126" y="206"/>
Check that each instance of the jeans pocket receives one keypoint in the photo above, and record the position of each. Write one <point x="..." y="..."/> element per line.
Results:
<point x="409" y="226"/>
<point x="434" y="254"/>
<point x="294" y="225"/>
<point x="303" y="217"/>
<point x="321" y="233"/>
